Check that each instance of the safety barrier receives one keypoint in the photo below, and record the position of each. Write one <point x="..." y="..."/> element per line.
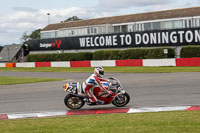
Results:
<point x="159" y="62"/>
<point x="60" y="64"/>
<point x="117" y="63"/>
<point x="103" y="63"/>
<point x="42" y="64"/>
<point x="10" y="65"/>
<point x="26" y="64"/>
<point x="188" y="62"/>
<point x="129" y="62"/>
<point x="80" y="64"/>
<point x="2" y="65"/>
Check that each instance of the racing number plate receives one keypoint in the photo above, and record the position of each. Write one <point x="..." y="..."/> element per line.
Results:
<point x="71" y="88"/>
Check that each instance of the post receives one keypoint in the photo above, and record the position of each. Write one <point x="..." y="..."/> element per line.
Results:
<point x="48" y="14"/>
<point x="165" y="52"/>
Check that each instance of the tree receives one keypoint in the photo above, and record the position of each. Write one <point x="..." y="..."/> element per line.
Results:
<point x="73" y="18"/>
<point x="25" y="37"/>
<point x="34" y="35"/>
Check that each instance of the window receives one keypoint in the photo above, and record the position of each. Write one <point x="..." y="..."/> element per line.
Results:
<point x="156" y="25"/>
<point x="72" y="32"/>
<point x="188" y="23"/>
<point x="88" y="30"/>
<point x="78" y="31"/>
<point x="84" y="31"/>
<point x="139" y="27"/>
<point x="130" y="28"/>
<point x="135" y="27"/>
<point x="178" y="24"/>
<point x="196" y="22"/>
<point x="124" y="28"/>
<point x="65" y="33"/>
<point x="147" y="26"/>
<point x="51" y="34"/>
<point x="75" y="32"/>
<point x="103" y="28"/>
<point x="92" y="30"/>
<point x="117" y="29"/>
<point x="167" y="25"/>
<point x="95" y="30"/>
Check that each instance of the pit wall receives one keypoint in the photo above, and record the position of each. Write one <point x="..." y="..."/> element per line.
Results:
<point x="113" y="63"/>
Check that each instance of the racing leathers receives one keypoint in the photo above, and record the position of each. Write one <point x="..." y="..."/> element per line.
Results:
<point x="89" y="85"/>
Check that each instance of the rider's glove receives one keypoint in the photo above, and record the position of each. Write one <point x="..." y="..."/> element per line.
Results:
<point x="109" y="92"/>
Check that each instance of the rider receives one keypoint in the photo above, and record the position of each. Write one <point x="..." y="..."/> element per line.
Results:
<point x="89" y="84"/>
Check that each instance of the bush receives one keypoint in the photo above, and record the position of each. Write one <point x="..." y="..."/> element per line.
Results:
<point x="60" y="57"/>
<point x="190" y="51"/>
<point x="155" y="53"/>
<point x="107" y="55"/>
<point x="159" y="53"/>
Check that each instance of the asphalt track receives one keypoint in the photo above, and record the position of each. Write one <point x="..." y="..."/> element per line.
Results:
<point x="146" y="90"/>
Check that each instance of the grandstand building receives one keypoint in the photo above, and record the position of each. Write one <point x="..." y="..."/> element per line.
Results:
<point x="174" y="28"/>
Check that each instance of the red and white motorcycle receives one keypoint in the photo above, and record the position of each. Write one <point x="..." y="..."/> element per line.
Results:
<point x="76" y="98"/>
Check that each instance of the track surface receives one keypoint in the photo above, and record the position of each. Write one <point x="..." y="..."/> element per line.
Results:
<point x="146" y="90"/>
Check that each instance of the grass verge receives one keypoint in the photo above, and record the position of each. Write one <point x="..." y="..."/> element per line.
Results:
<point x="160" y="122"/>
<point x="108" y="69"/>
<point x="4" y="80"/>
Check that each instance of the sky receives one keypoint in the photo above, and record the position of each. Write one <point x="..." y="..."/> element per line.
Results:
<point x="20" y="16"/>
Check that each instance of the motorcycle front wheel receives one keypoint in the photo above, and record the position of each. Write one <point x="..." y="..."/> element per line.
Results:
<point x="73" y="102"/>
<point x="121" y="100"/>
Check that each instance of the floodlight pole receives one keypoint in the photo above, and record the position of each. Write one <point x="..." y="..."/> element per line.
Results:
<point x="48" y="14"/>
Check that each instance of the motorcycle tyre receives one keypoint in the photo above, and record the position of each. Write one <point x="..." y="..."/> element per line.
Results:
<point x="124" y="104"/>
<point x="67" y="97"/>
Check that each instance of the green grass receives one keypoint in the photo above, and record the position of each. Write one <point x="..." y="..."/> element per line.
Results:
<point x="4" y="80"/>
<point x="109" y="69"/>
<point x="160" y="122"/>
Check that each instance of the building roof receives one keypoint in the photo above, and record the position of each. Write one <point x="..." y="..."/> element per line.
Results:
<point x="175" y="13"/>
<point x="9" y="52"/>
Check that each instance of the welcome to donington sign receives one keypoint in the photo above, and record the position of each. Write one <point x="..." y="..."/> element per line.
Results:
<point x="177" y="37"/>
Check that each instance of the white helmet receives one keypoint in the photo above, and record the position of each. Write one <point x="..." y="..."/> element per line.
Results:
<point x="99" y="72"/>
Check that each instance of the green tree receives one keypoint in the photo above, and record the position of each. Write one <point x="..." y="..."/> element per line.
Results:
<point x="73" y="18"/>
<point x="25" y="37"/>
<point x="34" y="35"/>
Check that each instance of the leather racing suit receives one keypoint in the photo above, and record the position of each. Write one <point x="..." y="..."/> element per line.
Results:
<point x="89" y="84"/>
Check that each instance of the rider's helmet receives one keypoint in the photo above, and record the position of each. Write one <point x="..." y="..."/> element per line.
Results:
<point x="99" y="72"/>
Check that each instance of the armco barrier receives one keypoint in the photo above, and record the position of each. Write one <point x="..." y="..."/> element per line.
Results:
<point x="27" y="64"/>
<point x="188" y="62"/>
<point x="42" y="64"/>
<point x="129" y="62"/>
<point x="10" y="65"/>
<point x="60" y="64"/>
<point x="2" y="65"/>
<point x="103" y="63"/>
<point x="159" y="62"/>
<point x="80" y="64"/>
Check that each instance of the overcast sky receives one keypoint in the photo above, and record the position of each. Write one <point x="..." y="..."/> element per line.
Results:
<point x="19" y="16"/>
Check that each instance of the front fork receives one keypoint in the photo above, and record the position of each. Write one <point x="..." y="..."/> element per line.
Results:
<point x="117" y="96"/>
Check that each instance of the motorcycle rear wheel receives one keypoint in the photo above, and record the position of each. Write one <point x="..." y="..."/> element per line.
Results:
<point x="73" y="102"/>
<point x="121" y="100"/>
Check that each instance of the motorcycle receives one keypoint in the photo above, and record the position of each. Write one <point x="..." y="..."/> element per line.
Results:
<point x="76" y="98"/>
